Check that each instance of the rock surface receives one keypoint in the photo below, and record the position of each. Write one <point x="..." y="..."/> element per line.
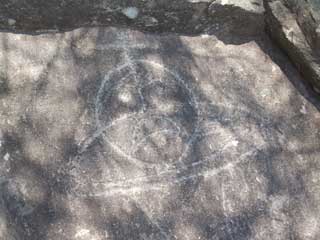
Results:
<point x="295" y="26"/>
<point x="116" y="134"/>
<point x="112" y="133"/>
<point x="178" y="16"/>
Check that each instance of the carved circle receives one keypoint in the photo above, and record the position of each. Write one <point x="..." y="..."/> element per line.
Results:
<point x="146" y="113"/>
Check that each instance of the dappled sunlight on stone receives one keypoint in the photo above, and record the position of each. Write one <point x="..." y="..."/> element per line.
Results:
<point x="111" y="133"/>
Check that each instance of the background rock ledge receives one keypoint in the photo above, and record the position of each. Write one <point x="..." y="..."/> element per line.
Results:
<point x="181" y="16"/>
<point x="295" y="26"/>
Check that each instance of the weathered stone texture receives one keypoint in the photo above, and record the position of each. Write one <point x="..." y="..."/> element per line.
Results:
<point x="115" y="134"/>
<point x="179" y="16"/>
<point x="295" y="26"/>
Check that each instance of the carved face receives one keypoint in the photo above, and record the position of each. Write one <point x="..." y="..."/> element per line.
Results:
<point x="148" y="113"/>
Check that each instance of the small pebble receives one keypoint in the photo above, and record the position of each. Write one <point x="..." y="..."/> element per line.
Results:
<point x="131" y="12"/>
<point x="11" y="21"/>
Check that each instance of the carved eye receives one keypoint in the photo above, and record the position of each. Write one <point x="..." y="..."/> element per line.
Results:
<point x="126" y="96"/>
<point x="119" y="100"/>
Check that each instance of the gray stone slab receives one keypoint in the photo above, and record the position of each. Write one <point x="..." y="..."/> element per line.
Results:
<point x="116" y="134"/>
<point x="294" y="25"/>
<point x="182" y="16"/>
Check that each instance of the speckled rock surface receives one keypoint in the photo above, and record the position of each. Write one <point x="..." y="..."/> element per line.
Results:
<point x="295" y="26"/>
<point x="109" y="133"/>
<point x="307" y="14"/>
<point x="114" y="133"/>
<point x="178" y="16"/>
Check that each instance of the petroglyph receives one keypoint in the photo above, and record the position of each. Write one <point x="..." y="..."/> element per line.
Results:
<point x="124" y="98"/>
<point x="151" y="118"/>
<point x="137" y="136"/>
